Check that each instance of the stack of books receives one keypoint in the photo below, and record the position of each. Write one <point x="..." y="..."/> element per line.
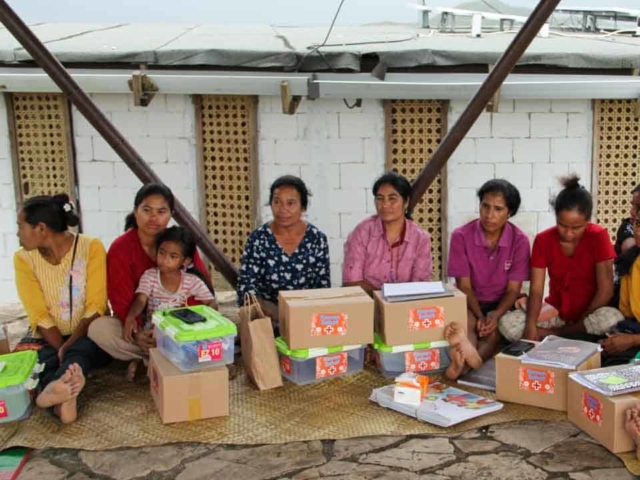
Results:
<point x="406" y="292"/>
<point x="561" y="353"/>
<point x="611" y="381"/>
<point x="483" y="377"/>
<point x="443" y="405"/>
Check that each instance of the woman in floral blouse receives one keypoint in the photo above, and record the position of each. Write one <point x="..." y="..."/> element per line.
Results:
<point x="286" y="253"/>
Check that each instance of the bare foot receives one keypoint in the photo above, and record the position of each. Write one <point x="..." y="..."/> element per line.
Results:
<point x="454" y="370"/>
<point x="67" y="411"/>
<point x="77" y="381"/>
<point x="457" y="337"/>
<point x="57" y="391"/>
<point x="632" y="426"/>
<point x="132" y="369"/>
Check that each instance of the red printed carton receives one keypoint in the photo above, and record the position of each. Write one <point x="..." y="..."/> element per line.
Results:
<point x="325" y="317"/>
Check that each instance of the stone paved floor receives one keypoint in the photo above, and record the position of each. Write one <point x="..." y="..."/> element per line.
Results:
<point x="524" y="451"/>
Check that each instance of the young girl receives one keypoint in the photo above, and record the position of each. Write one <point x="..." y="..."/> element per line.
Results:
<point x="174" y="283"/>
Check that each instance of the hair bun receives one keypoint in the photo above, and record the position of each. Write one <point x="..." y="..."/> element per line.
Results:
<point x="62" y="199"/>
<point x="571" y="182"/>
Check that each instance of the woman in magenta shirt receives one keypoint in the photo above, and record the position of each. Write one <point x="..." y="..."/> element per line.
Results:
<point x="387" y="247"/>
<point x="489" y="258"/>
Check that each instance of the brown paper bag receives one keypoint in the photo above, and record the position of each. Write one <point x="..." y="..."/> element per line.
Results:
<point x="258" y="346"/>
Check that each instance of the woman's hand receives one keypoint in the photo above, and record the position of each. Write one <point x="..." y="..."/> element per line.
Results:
<point x="130" y="328"/>
<point x="531" y="333"/>
<point x="61" y="351"/>
<point x="488" y="325"/>
<point x="144" y="339"/>
<point x="620" y="342"/>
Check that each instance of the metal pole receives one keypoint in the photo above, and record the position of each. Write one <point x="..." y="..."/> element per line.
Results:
<point x="113" y="137"/>
<point x="480" y="100"/>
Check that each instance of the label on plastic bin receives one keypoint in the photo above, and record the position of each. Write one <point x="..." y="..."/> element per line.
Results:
<point x="285" y="363"/>
<point x="592" y="408"/>
<point x="536" y="380"/>
<point x="329" y="324"/>
<point x="426" y="318"/>
<point x="422" y="360"/>
<point x="3" y="409"/>
<point x="332" y="365"/>
<point x="209" y="352"/>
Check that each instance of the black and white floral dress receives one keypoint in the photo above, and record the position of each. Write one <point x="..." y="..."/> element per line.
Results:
<point x="266" y="269"/>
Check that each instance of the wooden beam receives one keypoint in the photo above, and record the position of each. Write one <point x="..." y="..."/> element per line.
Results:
<point x="111" y="135"/>
<point x="485" y="93"/>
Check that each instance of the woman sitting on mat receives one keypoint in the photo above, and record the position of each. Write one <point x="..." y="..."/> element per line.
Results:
<point x="387" y="247"/>
<point x="578" y="256"/>
<point x="130" y="255"/>
<point x="489" y="258"/>
<point x="625" y="239"/>
<point x="61" y="280"/>
<point x="623" y="345"/>
<point x="286" y="253"/>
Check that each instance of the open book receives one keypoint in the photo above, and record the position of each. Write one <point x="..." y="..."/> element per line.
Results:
<point x="483" y="377"/>
<point x="443" y="406"/>
<point x="405" y="292"/>
<point x="611" y="381"/>
<point x="560" y="352"/>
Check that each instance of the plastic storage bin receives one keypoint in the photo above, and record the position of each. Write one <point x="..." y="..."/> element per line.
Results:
<point x="195" y="346"/>
<point x="432" y="357"/>
<point x="18" y="377"/>
<point x="316" y="364"/>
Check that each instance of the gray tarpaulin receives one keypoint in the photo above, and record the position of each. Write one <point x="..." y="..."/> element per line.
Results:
<point x="266" y="47"/>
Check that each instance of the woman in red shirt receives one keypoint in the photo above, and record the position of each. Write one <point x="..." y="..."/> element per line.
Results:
<point x="130" y="255"/>
<point x="579" y="258"/>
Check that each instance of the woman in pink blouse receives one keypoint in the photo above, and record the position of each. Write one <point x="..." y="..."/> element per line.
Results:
<point x="388" y="247"/>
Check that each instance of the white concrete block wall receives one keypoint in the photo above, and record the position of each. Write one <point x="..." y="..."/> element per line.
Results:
<point x="531" y="143"/>
<point x="8" y="229"/>
<point x="164" y="135"/>
<point x="338" y="152"/>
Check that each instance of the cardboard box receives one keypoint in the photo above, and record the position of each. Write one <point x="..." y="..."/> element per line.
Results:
<point x="325" y="317"/>
<point x="182" y="396"/>
<point x="600" y="416"/>
<point x="418" y="321"/>
<point x="535" y="385"/>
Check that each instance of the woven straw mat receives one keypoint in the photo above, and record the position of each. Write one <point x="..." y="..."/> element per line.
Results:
<point x="115" y="413"/>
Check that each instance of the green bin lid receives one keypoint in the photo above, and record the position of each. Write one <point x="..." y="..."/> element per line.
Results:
<point x="215" y="325"/>
<point x="379" y="345"/>
<point x="16" y="368"/>
<point x="283" y="348"/>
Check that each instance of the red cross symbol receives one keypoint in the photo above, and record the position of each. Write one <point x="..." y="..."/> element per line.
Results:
<point x="332" y="370"/>
<point x="423" y="366"/>
<point x="328" y="329"/>
<point x="536" y="385"/>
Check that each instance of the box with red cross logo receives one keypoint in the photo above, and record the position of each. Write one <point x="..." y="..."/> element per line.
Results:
<point x="325" y="317"/>
<point x="600" y="416"/>
<point x="418" y="321"/>
<point x="536" y="385"/>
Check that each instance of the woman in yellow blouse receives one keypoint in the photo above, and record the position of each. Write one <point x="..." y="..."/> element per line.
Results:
<point x="62" y="282"/>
